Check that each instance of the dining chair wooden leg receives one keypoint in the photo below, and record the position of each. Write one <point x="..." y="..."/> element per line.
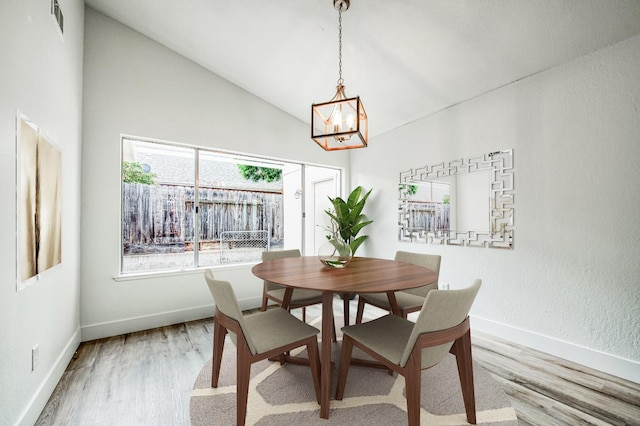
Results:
<point x="346" y="297"/>
<point x="345" y="362"/>
<point x="412" y="381"/>
<point x="265" y="301"/>
<point x="219" y="334"/>
<point x="334" y="336"/>
<point x="243" y="373"/>
<point x="462" y="351"/>
<point x="360" y="312"/>
<point x="314" y="363"/>
<point x="304" y="314"/>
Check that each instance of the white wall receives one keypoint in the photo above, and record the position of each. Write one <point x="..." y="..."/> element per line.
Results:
<point x="570" y="286"/>
<point x="41" y="75"/>
<point x="135" y="86"/>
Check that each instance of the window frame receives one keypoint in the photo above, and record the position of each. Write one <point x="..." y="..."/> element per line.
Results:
<point x="196" y="265"/>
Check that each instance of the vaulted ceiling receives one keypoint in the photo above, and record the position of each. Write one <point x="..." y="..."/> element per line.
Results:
<point x="406" y="59"/>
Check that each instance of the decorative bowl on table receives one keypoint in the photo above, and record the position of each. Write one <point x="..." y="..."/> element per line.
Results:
<point x="335" y="253"/>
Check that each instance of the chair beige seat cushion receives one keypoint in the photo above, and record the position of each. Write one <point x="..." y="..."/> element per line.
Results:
<point x="299" y="296"/>
<point x="406" y="301"/>
<point x="275" y="328"/>
<point x="387" y="336"/>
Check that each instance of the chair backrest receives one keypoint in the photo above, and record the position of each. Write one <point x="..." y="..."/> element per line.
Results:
<point x="227" y="303"/>
<point x="431" y="261"/>
<point x="270" y="255"/>
<point x="442" y="309"/>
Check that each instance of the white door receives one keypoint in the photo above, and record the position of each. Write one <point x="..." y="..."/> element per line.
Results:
<point x="322" y="183"/>
<point x="321" y="191"/>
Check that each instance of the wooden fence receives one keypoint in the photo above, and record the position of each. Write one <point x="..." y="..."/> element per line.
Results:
<point x="161" y="218"/>
<point x="427" y="216"/>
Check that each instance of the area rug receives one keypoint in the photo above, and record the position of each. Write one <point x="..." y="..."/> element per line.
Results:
<point x="283" y="394"/>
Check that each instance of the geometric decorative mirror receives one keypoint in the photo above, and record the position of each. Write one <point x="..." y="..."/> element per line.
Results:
<point x="465" y="202"/>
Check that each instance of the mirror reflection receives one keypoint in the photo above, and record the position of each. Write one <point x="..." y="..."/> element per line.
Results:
<point x="460" y="202"/>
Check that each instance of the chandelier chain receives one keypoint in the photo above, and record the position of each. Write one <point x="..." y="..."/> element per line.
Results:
<point x="340" y="80"/>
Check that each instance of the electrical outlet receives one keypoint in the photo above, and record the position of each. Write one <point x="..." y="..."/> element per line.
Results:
<point x="35" y="357"/>
<point x="444" y="286"/>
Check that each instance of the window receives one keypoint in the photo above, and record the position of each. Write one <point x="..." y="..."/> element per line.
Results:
<point x="186" y="207"/>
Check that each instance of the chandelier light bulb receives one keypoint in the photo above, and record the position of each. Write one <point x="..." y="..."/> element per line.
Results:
<point x="337" y="120"/>
<point x="350" y="121"/>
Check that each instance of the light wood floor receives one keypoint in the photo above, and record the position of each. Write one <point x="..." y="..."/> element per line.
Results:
<point x="145" y="378"/>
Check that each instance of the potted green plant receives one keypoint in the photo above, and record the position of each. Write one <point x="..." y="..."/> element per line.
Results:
<point x="347" y="218"/>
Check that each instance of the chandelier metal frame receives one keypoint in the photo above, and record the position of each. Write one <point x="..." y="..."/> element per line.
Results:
<point x="342" y="122"/>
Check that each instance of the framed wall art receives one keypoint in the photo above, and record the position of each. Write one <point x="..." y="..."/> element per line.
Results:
<point x="39" y="202"/>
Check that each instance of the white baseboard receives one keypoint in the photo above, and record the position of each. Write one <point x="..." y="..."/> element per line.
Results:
<point x="146" y="322"/>
<point x="611" y="364"/>
<point x="37" y="403"/>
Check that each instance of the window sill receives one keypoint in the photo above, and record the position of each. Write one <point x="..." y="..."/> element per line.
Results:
<point x="180" y="272"/>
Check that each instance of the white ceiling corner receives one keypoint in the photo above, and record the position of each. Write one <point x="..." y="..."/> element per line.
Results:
<point x="406" y="59"/>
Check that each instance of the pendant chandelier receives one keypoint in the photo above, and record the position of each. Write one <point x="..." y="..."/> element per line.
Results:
<point x="340" y="123"/>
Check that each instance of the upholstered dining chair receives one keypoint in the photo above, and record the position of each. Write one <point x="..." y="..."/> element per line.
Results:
<point x="407" y="348"/>
<point x="257" y="337"/>
<point x="299" y="298"/>
<point x="410" y="300"/>
<point x="275" y="292"/>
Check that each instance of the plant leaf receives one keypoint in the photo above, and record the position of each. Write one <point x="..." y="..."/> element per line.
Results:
<point x="353" y="197"/>
<point x="356" y="243"/>
<point x="356" y="228"/>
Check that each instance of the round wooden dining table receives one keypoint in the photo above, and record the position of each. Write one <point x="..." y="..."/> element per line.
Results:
<point x="361" y="275"/>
